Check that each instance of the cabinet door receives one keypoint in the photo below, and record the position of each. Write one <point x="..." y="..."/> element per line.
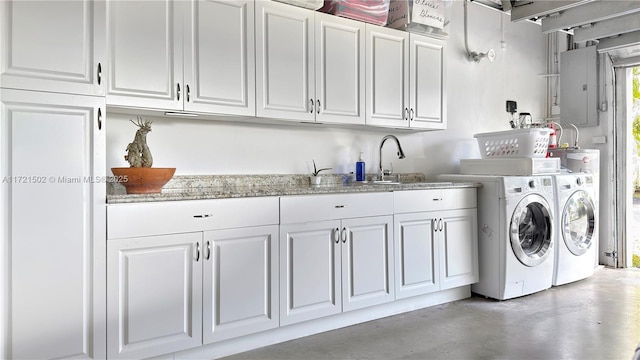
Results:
<point x="367" y="262"/>
<point x="285" y="67"/>
<point x="416" y="250"/>
<point x="427" y="83"/>
<point x="387" y="77"/>
<point x="55" y="46"/>
<point x="340" y="75"/>
<point x="145" y="54"/>
<point x="53" y="213"/>
<point x="310" y="265"/>
<point x="459" y="250"/>
<point x="154" y="295"/>
<point x="219" y="57"/>
<point x="240" y="282"/>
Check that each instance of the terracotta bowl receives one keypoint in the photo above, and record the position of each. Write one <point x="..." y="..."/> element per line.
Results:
<point x="143" y="180"/>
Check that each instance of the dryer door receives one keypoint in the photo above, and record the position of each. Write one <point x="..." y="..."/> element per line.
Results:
<point x="578" y="222"/>
<point x="530" y="230"/>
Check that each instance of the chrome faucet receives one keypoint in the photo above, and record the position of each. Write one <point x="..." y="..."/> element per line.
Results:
<point x="400" y="155"/>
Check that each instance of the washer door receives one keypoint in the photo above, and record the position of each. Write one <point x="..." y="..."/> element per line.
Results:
<point x="578" y="222"/>
<point x="530" y="230"/>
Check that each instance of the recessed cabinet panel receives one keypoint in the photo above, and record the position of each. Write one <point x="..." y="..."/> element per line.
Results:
<point x="460" y="251"/>
<point x="416" y="250"/>
<point x="55" y="46"/>
<point x="387" y="77"/>
<point x="367" y="258"/>
<point x="240" y="282"/>
<point x="219" y="57"/>
<point x="310" y="266"/>
<point x="51" y="148"/>
<point x="285" y="64"/>
<point x="143" y="37"/>
<point x="428" y="101"/>
<point x="154" y="295"/>
<point x="340" y="63"/>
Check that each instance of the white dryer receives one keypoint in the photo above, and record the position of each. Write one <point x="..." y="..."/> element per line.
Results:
<point x="515" y="234"/>
<point x="576" y="227"/>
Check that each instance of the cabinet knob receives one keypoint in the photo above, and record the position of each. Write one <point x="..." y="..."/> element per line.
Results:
<point x="208" y="255"/>
<point x="99" y="74"/>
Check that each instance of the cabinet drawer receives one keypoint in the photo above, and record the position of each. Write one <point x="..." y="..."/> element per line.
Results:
<point x="296" y="209"/>
<point x="144" y="219"/>
<point x="435" y="199"/>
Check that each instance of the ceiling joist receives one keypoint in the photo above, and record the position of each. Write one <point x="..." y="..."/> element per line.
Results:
<point x="588" y="13"/>
<point x="628" y="40"/>
<point x="603" y="29"/>
<point x="525" y="10"/>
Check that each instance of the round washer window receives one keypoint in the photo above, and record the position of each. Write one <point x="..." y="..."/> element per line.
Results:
<point x="530" y="230"/>
<point x="578" y="222"/>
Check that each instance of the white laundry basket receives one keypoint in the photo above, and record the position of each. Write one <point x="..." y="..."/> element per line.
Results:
<point x="527" y="143"/>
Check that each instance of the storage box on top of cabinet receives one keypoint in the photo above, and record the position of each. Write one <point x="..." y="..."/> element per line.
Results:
<point x="428" y="17"/>
<point x="308" y="4"/>
<point x="370" y="11"/>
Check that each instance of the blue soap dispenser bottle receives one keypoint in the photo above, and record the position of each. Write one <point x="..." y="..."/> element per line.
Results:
<point x="360" y="171"/>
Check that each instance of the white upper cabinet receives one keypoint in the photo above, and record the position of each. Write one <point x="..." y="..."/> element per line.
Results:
<point x="219" y="57"/>
<point x="310" y="65"/>
<point x="145" y="54"/>
<point x="182" y="55"/>
<point x="405" y="79"/>
<point x="53" y="216"/>
<point x="54" y="46"/>
<point x="427" y="92"/>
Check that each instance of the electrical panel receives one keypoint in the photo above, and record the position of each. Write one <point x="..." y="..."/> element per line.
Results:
<point x="579" y="87"/>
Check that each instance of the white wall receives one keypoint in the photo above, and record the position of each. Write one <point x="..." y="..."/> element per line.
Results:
<point x="476" y="103"/>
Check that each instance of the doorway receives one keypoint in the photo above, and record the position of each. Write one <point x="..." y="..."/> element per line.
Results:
<point x="634" y="171"/>
<point x="628" y="145"/>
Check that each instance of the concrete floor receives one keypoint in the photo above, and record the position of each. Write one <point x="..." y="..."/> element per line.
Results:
<point x="595" y="318"/>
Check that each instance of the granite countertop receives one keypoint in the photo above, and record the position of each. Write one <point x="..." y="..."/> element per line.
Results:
<point x="236" y="186"/>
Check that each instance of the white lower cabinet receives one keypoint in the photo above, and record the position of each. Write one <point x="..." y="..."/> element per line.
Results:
<point x="436" y="240"/>
<point x="175" y="291"/>
<point x="52" y="257"/>
<point x="154" y="289"/>
<point x="335" y="265"/>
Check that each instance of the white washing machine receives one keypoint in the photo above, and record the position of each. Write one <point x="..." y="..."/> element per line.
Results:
<point x="515" y="234"/>
<point x="576" y="227"/>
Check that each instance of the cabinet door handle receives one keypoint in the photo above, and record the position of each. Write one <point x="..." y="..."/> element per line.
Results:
<point x="99" y="119"/>
<point x="201" y="216"/>
<point x="406" y="114"/>
<point x="188" y="93"/>
<point x="440" y="225"/>
<point x="208" y="256"/>
<point x="411" y="117"/>
<point x="197" y="251"/>
<point x="318" y="106"/>
<point x="311" y="100"/>
<point x="340" y="206"/>
<point x="344" y="234"/>
<point x="336" y="235"/>
<point x="178" y="91"/>
<point x="99" y="74"/>
<point x="434" y="225"/>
